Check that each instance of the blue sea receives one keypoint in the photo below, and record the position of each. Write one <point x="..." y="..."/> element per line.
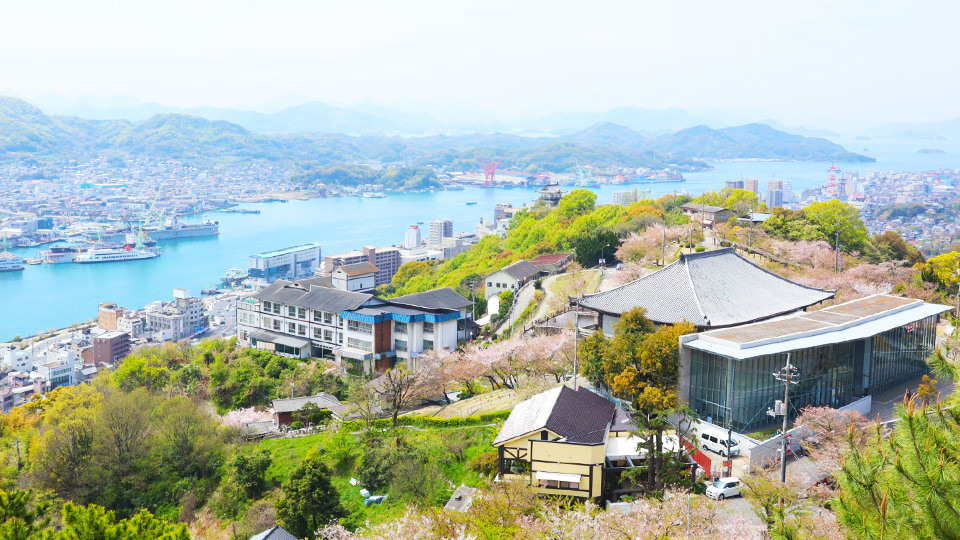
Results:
<point x="54" y="296"/>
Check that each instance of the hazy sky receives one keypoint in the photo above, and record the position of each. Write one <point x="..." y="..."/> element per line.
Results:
<point x="809" y="62"/>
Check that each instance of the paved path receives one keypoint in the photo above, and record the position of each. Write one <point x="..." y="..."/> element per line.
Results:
<point x="544" y="307"/>
<point x="520" y="303"/>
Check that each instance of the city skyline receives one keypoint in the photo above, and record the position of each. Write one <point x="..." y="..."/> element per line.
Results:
<point x="828" y="66"/>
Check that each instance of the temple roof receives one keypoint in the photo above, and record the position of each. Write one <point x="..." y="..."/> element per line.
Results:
<point x="711" y="289"/>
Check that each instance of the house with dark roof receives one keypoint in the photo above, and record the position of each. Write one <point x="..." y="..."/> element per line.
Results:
<point x="510" y="278"/>
<point x="569" y="442"/>
<point x="552" y="263"/>
<point x="302" y="319"/>
<point x="285" y="409"/>
<point x="274" y="533"/>
<point x="712" y="289"/>
<point x="707" y="215"/>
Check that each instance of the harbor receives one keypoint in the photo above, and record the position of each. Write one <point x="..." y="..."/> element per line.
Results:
<point x="49" y="295"/>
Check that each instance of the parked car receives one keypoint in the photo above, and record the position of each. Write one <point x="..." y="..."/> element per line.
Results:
<point x="723" y="488"/>
<point x="718" y="443"/>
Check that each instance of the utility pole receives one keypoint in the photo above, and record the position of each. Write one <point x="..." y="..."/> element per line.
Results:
<point x="576" y="344"/>
<point x="787" y="375"/>
<point x="957" y="323"/>
<point x="663" y="245"/>
<point x="836" y="265"/>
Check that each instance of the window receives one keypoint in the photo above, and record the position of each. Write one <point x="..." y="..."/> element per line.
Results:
<point x="327" y="318"/>
<point x="266" y="305"/>
<point x="427" y="345"/>
<point x="328" y="335"/>
<point x="559" y="485"/>
<point x="489" y="284"/>
<point x="301" y="313"/>
<point x="316" y="315"/>
<point x="291" y="311"/>
<point x="301" y="329"/>
<point x="428" y="327"/>
<point x="399" y="327"/>
<point x="276" y="308"/>
<point x="360" y="344"/>
<point x="317" y="333"/>
<point x="276" y="324"/>
<point x="400" y="345"/>
<point x="360" y="327"/>
<point x="292" y="328"/>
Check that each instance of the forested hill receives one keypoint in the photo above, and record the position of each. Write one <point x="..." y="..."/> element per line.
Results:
<point x="27" y="133"/>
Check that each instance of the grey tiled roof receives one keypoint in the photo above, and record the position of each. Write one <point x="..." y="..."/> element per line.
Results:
<point x="274" y="533"/>
<point x="323" y="401"/>
<point x="521" y="270"/>
<point x="710" y="289"/>
<point x="322" y="298"/>
<point x="445" y="298"/>
<point x="697" y="207"/>
<point x="576" y="415"/>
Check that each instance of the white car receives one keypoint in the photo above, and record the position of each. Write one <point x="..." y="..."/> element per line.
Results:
<point x="723" y="488"/>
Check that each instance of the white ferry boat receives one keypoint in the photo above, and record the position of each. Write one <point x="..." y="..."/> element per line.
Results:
<point x="10" y="262"/>
<point x="103" y="255"/>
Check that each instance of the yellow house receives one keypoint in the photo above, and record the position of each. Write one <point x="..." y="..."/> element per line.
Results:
<point x="571" y="442"/>
<point x="557" y="439"/>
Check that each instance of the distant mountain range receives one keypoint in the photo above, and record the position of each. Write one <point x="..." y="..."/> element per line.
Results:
<point x="947" y="129"/>
<point x="26" y="132"/>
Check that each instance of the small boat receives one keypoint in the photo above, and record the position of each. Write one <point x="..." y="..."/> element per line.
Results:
<point x="470" y="203"/>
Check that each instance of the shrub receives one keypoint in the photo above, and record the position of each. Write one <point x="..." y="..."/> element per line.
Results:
<point x="296" y="424"/>
<point x="486" y="463"/>
<point x="698" y="249"/>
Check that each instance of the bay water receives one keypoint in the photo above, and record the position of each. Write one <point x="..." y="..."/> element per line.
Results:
<point x="54" y="296"/>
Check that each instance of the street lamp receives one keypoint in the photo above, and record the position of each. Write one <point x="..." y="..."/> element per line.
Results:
<point x="603" y="251"/>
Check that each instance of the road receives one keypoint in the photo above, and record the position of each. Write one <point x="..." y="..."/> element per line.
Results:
<point x="223" y="313"/>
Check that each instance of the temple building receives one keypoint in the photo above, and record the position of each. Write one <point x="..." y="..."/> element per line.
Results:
<point x="713" y="289"/>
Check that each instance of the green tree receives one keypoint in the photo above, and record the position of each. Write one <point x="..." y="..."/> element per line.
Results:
<point x="97" y="523"/>
<point x="834" y="216"/>
<point x="903" y="484"/>
<point x="577" y="203"/>
<point x="309" y="501"/>
<point x="21" y="517"/>
<point x="249" y="471"/>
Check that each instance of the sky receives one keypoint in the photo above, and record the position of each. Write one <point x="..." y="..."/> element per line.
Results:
<point x="822" y="64"/>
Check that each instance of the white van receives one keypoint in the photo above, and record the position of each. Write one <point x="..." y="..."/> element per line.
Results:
<point x="716" y="442"/>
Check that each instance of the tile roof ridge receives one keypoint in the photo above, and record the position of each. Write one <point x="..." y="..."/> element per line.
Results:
<point x="693" y="289"/>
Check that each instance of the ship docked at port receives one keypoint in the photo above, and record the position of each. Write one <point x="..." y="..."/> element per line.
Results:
<point x="105" y="255"/>
<point x="10" y="262"/>
<point x="171" y="229"/>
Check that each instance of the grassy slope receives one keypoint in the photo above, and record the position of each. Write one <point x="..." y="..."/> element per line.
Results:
<point x="287" y="454"/>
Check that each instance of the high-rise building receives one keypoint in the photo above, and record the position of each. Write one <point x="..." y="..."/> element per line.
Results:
<point x="411" y="240"/>
<point x="733" y="184"/>
<point x="774" y="198"/>
<point x="440" y="229"/>
<point x="752" y="184"/>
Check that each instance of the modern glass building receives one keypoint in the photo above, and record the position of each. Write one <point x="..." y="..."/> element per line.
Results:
<point x="843" y="353"/>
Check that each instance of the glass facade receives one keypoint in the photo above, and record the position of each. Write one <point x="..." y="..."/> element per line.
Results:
<point x="726" y="390"/>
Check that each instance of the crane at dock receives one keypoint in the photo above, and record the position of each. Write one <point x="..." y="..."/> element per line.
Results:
<point x="490" y="172"/>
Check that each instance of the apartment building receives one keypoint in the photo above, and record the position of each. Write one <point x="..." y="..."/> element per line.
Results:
<point x="177" y="320"/>
<point x="440" y="229"/>
<point x="306" y="319"/>
<point x="387" y="260"/>
<point x="111" y="347"/>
